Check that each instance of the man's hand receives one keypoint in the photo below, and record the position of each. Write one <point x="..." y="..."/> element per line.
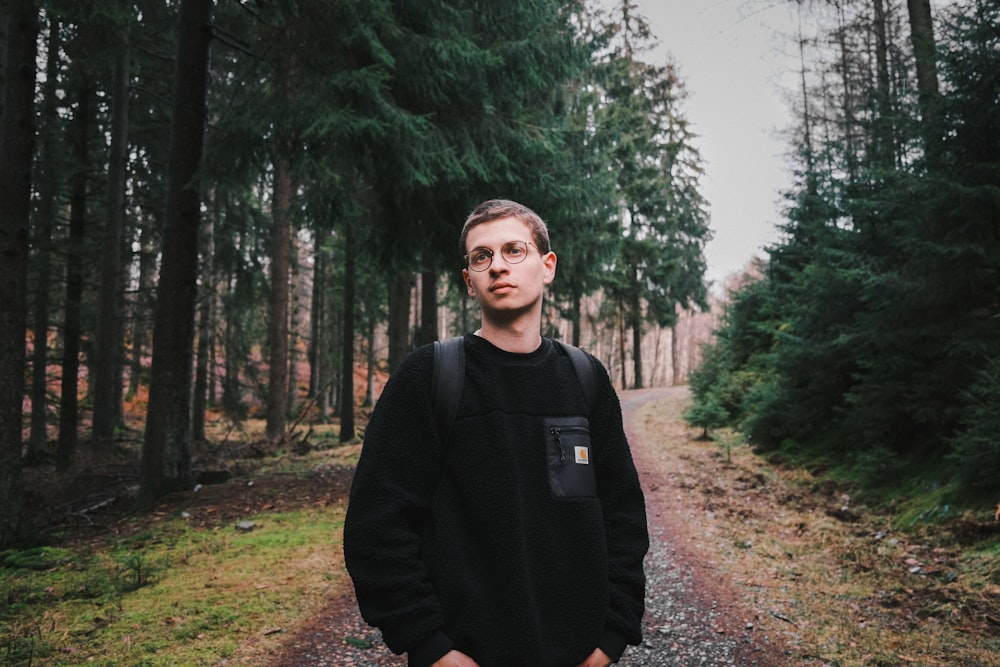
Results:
<point x="597" y="659"/>
<point x="455" y="659"/>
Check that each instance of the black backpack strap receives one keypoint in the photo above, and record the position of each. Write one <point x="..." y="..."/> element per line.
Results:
<point x="449" y="378"/>
<point x="447" y="382"/>
<point x="584" y="368"/>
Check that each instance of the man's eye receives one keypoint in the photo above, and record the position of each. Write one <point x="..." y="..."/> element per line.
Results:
<point x="514" y="250"/>
<point x="480" y="257"/>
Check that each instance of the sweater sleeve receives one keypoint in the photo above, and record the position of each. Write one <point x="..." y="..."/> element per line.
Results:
<point x="623" y="506"/>
<point x="390" y="496"/>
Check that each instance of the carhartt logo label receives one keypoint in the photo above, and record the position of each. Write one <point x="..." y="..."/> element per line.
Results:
<point x="582" y="455"/>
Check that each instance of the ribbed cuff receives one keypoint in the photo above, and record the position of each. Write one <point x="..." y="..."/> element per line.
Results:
<point x="429" y="651"/>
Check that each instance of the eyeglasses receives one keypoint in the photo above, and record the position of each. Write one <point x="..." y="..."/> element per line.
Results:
<point x="513" y="252"/>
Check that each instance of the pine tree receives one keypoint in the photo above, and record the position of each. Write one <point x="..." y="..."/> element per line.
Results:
<point x="663" y="220"/>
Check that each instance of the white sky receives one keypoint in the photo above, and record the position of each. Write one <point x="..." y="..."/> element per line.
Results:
<point x="737" y="60"/>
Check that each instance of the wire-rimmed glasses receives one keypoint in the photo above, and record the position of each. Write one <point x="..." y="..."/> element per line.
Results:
<point x="513" y="252"/>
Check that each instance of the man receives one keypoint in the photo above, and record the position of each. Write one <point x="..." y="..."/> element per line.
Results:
<point x="519" y="540"/>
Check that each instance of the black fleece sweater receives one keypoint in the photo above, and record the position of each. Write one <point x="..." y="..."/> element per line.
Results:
<point x="519" y="541"/>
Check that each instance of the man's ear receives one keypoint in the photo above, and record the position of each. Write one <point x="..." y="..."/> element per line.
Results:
<point x="549" y="261"/>
<point x="468" y="283"/>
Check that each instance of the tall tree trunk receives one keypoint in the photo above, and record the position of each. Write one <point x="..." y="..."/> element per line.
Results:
<point x="66" y="443"/>
<point x="638" y="382"/>
<point x="48" y="169"/>
<point x="141" y="304"/>
<point x="107" y="378"/>
<point x="294" y="316"/>
<point x="885" y="151"/>
<point x="577" y="316"/>
<point x="166" y="453"/>
<point x="277" y="391"/>
<point x="17" y="131"/>
<point x="205" y="338"/>
<point x="928" y="89"/>
<point x="428" y="304"/>
<point x="347" y="431"/>
<point x="316" y="320"/>
<point x="621" y="344"/>
<point x="234" y="354"/>
<point x="399" y="317"/>
<point x="372" y="360"/>
<point x="675" y="356"/>
<point x="850" y="148"/>
<point x="807" y="131"/>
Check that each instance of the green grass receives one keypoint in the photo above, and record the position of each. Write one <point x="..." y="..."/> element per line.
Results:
<point x="171" y="594"/>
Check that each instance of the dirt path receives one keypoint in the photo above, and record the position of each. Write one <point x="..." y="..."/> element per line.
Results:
<point x="693" y="616"/>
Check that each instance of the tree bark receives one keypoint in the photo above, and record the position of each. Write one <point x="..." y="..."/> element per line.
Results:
<point x="928" y="89"/>
<point x="885" y="150"/>
<point x="17" y="131"/>
<point x="107" y="379"/>
<point x="294" y="315"/>
<point x="49" y="176"/>
<point x="675" y="356"/>
<point x="141" y="305"/>
<point x="399" y="317"/>
<point x="347" y="431"/>
<point x="166" y="455"/>
<point x="371" y="361"/>
<point x="577" y="316"/>
<point x="66" y="443"/>
<point x="277" y="393"/>
<point x="636" y="318"/>
<point x="316" y="314"/>
<point x="428" y="304"/>
<point x="206" y="340"/>
<point x="621" y="344"/>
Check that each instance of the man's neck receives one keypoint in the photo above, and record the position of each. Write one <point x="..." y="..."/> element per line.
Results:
<point x="521" y="340"/>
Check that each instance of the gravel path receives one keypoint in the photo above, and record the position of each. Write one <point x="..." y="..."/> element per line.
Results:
<point x="692" y="617"/>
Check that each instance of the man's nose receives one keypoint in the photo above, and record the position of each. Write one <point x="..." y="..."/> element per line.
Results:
<point x="498" y="263"/>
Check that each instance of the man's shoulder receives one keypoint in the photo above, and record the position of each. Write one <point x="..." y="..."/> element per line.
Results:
<point x="415" y="368"/>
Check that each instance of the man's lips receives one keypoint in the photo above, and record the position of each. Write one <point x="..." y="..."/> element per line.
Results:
<point x="495" y="287"/>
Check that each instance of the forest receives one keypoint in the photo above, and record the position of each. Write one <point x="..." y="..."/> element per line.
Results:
<point x="223" y="225"/>
<point x="252" y="208"/>
<point x="869" y="340"/>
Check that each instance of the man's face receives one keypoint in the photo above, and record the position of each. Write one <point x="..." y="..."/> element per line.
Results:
<point x="506" y="290"/>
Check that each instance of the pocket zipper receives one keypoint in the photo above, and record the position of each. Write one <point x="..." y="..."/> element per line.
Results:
<point x="557" y="432"/>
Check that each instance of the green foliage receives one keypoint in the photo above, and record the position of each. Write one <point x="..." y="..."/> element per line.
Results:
<point x="135" y="570"/>
<point x="36" y="558"/>
<point x="706" y="414"/>
<point x="976" y="453"/>
<point x="871" y="337"/>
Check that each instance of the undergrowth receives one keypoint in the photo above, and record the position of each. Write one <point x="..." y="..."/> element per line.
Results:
<point x="193" y="584"/>
<point x="845" y="569"/>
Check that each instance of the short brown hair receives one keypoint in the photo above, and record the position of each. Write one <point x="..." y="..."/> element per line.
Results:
<point x="494" y="209"/>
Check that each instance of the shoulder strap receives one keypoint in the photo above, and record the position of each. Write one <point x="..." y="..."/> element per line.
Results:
<point x="447" y="382"/>
<point x="449" y="378"/>
<point x="584" y="368"/>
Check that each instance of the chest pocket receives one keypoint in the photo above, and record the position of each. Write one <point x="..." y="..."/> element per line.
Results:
<point x="568" y="456"/>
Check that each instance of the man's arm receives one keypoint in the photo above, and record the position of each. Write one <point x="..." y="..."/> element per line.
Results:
<point x="624" y="510"/>
<point x="396" y="475"/>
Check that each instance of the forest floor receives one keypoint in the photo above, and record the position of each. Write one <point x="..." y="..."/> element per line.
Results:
<point x="791" y="569"/>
